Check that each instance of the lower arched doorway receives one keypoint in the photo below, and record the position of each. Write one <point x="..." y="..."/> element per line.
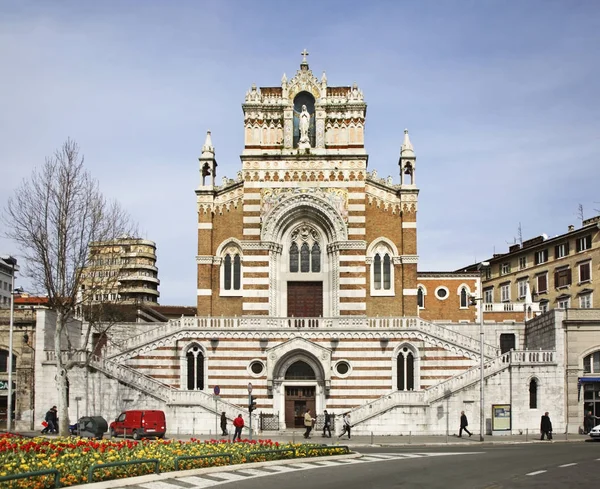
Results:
<point x="299" y="397"/>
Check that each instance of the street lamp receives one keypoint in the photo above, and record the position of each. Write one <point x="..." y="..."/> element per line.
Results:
<point x="481" y="267"/>
<point x="9" y="404"/>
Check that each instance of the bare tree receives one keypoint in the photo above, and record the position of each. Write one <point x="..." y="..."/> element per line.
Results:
<point x="55" y="216"/>
<point x="580" y="213"/>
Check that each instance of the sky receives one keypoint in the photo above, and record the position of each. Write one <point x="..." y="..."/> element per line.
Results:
<point x="501" y="99"/>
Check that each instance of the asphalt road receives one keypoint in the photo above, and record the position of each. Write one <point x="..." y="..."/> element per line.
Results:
<point x="547" y="465"/>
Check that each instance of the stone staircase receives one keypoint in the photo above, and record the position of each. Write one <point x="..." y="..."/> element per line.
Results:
<point x="209" y="326"/>
<point x="448" y="387"/>
<point x="164" y="392"/>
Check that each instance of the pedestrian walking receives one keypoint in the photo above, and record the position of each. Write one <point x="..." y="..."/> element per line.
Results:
<point x="51" y="420"/>
<point x="346" y="426"/>
<point x="546" y="426"/>
<point x="308" y="423"/>
<point x="239" y="424"/>
<point x="589" y="422"/>
<point x="327" y="423"/>
<point x="223" y="424"/>
<point x="464" y="422"/>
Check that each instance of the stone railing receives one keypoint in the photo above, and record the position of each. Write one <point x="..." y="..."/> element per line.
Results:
<point x="150" y="386"/>
<point x="452" y="385"/>
<point x="510" y="307"/>
<point x="265" y="323"/>
<point x="385" y="403"/>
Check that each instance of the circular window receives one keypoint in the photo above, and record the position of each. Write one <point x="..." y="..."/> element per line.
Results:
<point x="256" y="368"/>
<point x="342" y="368"/>
<point x="441" y="293"/>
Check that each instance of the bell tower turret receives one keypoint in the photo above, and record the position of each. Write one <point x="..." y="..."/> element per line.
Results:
<point x="208" y="163"/>
<point x="407" y="162"/>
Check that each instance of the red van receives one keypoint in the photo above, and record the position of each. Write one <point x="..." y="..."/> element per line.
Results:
<point x="138" y="424"/>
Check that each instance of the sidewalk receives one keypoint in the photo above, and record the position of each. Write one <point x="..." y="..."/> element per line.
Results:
<point x="376" y="440"/>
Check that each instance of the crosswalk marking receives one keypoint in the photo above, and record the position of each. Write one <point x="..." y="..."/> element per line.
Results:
<point x="218" y="478"/>
<point x="568" y="465"/>
<point x="536" y="472"/>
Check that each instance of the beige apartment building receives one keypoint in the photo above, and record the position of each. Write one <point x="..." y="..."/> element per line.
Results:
<point x="560" y="272"/>
<point x="122" y="270"/>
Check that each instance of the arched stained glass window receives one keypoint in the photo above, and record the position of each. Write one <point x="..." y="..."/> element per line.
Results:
<point x="420" y="298"/>
<point x="464" y="300"/>
<point x="294" y="258"/>
<point x="406" y="370"/>
<point x="316" y="258"/>
<point x="304" y="258"/>
<point x="195" y="369"/>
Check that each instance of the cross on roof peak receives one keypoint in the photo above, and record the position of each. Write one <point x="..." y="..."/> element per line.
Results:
<point x="304" y="54"/>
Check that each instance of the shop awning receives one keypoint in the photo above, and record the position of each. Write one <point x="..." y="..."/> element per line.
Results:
<point x="584" y="380"/>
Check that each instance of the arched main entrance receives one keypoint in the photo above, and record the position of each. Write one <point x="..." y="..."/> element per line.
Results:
<point x="298" y="397"/>
<point x="299" y="374"/>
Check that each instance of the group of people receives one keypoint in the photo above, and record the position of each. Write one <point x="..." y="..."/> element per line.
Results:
<point x="51" y="420"/>
<point x="238" y="424"/>
<point x="309" y="422"/>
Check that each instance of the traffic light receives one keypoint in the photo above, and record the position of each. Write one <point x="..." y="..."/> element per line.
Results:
<point x="251" y="403"/>
<point x="473" y="300"/>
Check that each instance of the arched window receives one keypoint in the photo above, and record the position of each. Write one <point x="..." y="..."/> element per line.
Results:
<point x="231" y="270"/>
<point x="316" y="258"/>
<point x="294" y="258"/>
<point x="533" y="394"/>
<point x="377" y="272"/>
<point x="304" y="250"/>
<point x="420" y="298"/>
<point x="304" y="258"/>
<point x="591" y="363"/>
<point x="406" y="370"/>
<point x="195" y="368"/>
<point x="300" y="371"/>
<point x="464" y="298"/>
<point x="380" y="258"/>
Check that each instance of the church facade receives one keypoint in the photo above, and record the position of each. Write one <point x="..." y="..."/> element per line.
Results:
<point x="309" y="297"/>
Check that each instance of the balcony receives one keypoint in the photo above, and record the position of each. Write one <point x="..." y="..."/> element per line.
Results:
<point x="137" y="277"/>
<point x="510" y="307"/>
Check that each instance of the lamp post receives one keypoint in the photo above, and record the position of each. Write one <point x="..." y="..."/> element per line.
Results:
<point x="482" y="266"/>
<point x="9" y="404"/>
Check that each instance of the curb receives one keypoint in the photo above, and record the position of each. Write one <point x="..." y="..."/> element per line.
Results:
<point x="132" y="481"/>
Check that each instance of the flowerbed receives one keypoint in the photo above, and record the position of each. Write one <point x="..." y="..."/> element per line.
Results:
<point x="73" y="457"/>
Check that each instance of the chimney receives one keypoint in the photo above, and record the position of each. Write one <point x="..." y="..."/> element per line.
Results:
<point x="571" y="227"/>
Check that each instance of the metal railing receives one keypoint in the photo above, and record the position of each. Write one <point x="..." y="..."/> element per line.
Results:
<point x="95" y="467"/>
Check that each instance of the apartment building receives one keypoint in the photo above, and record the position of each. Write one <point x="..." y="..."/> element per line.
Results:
<point x="561" y="272"/>
<point x="122" y="270"/>
<point x="6" y="273"/>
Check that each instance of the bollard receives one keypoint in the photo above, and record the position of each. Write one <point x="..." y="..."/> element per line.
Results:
<point x="371" y="438"/>
<point x="193" y="426"/>
<point x="409" y="437"/>
<point x="124" y="433"/>
<point x="293" y="437"/>
<point x="526" y="434"/>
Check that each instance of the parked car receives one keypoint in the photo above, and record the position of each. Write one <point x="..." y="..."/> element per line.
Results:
<point x="139" y="424"/>
<point x="595" y="432"/>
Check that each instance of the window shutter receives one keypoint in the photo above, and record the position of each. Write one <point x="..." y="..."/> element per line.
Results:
<point x="567" y="248"/>
<point x="556" y="252"/>
<point x="556" y="278"/>
<point x="569" y="277"/>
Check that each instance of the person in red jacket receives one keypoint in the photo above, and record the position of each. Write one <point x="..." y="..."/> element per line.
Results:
<point x="239" y="424"/>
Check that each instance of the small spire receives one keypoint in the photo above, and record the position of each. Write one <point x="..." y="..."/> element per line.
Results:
<point x="284" y="79"/>
<point x="324" y="78"/>
<point x="407" y="149"/>
<point x="208" y="150"/>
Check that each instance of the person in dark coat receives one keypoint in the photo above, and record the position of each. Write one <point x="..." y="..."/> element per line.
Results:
<point x="463" y="424"/>
<point x="327" y="423"/>
<point x="52" y="419"/>
<point x="589" y="422"/>
<point x="546" y="426"/>
<point x="223" y="424"/>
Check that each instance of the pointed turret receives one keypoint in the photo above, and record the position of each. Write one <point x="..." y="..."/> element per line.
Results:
<point x="407" y="150"/>
<point x="208" y="150"/>
<point x="407" y="161"/>
<point x="208" y="163"/>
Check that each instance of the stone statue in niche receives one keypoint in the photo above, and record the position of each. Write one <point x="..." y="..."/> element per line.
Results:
<point x="304" y="124"/>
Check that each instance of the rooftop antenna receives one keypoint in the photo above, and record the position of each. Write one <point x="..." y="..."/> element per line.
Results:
<point x="520" y="234"/>
<point x="580" y="213"/>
